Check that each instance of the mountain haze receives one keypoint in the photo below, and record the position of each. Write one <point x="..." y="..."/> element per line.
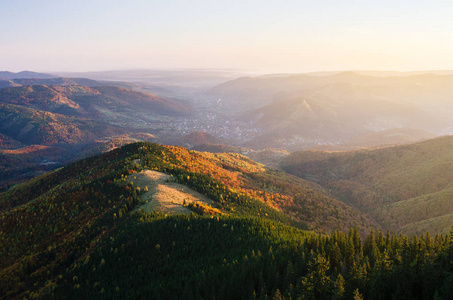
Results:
<point x="305" y="111"/>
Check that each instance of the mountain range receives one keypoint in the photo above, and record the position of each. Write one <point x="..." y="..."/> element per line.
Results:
<point x="24" y="74"/>
<point x="305" y="111"/>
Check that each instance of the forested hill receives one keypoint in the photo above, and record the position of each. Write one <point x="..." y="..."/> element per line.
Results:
<point x="99" y="101"/>
<point x="75" y="233"/>
<point x="236" y="183"/>
<point x="405" y="188"/>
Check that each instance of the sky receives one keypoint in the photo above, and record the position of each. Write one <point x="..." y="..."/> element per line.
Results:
<point x="267" y="36"/>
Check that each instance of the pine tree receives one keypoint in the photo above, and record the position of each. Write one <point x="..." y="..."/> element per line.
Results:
<point x="339" y="287"/>
<point x="357" y="295"/>
<point x="317" y="285"/>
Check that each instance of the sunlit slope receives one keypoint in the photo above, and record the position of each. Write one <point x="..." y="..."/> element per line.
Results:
<point x="52" y="221"/>
<point x="104" y="102"/>
<point x="32" y="126"/>
<point x="404" y="188"/>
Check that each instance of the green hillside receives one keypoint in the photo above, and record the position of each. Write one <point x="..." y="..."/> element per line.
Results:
<point x="404" y="188"/>
<point x="75" y="233"/>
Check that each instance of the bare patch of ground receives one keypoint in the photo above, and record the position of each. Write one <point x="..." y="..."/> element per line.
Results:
<point x="164" y="194"/>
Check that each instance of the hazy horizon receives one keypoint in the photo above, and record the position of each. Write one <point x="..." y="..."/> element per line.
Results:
<point x="266" y="37"/>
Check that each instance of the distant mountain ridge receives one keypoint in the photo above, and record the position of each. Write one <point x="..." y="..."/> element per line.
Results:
<point x="333" y="114"/>
<point x="24" y="74"/>
<point x="89" y="101"/>
<point x="60" y="81"/>
<point x="385" y="138"/>
<point x="302" y="111"/>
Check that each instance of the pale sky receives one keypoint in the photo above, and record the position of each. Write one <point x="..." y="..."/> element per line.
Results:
<point x="269" y="36"/>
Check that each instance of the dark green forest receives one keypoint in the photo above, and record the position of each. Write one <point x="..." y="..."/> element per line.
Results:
<point x="193" y="257"/>
<point x="76" y="233"/>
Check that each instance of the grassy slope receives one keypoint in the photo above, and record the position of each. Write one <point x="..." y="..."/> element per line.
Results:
<point x="399" y="186"/>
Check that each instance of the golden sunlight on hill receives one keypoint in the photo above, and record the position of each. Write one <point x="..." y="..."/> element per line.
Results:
<point x="162" y="193"/>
